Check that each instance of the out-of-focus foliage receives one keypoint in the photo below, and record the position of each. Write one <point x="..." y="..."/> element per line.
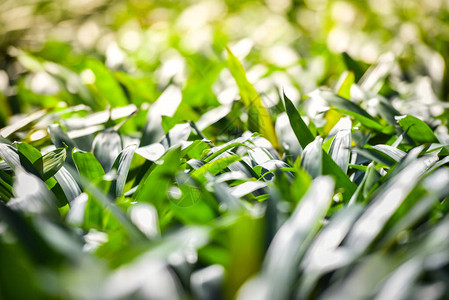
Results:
<point x="272" y="149"/>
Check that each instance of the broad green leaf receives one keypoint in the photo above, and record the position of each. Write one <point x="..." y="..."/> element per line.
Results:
<point x="168" y="123"/>
<point x="418" y="130"/>
<point x="258" y="116"/>
<point x="191" y="203"/>
<point x="59" y="195"/>
<point x="27" y="156"/>
<point x="341" y="179"/>
<point x="31" y="153"/>
<point x="87" y="165"/>
<point x="50" y="163"/>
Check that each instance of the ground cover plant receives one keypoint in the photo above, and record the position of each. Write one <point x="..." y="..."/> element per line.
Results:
<point x="224" y="150"/>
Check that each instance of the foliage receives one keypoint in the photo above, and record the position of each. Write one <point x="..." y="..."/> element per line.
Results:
<point x="224" y="150"/>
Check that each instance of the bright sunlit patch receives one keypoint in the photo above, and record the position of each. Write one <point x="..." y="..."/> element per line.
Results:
<point x="4" y="81"/>
<point x="114" y="56"/>
<point x="343" y="12"/>
<point x="43" y="83"/>
<point x="279" y="6"/>
<point x="173" y="67"/>
<point x="88" y="33"/>
<point x="37" y="135"/>
<point x="242" y="48"/>
<point x="338" y="39"/>
<point x="175" y="193"/>
<point x="144" y="216"/>
<point x="130" y="40"/>
<point x="87" y="76"/>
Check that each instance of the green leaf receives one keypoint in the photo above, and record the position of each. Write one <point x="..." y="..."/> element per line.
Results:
<point x="418" y="130"/>
<point x="387" y="200"/>
<point x="214" y="167"/>
<point x="259" y="118"/>
<point x="329" y="167"/>
<point x="68" y="184"/>
<point x="311" y="159"/>
<point x="326" y="244"/>
<point x="106" y="146"/>
<point x="10" y="155"/>
<point x="6" y="190"/>
<point x="353" y="66"/>
<point x="280" y="267"/>
<point x="107" y="87"/>
<point x="392" y="152"/>
<point x="375" y="155"/>
<point x="87" y="165"/>
<point x="50" y="163"/>
<point x="121" y="165"/>
<point x="298" y="125"/>
<point x="349" y="108"/>
<point x="340" y="149"/>
<point x="61" y="139"/>
<point x="28" y="237"/>
<point x="168" y="123"/>
<point x="106" y="205"/>
<point x="31" y="153"/>
<point x="215" y="152"/>
<point x="153" y="188"/>
<point x="344" y="87"/>
<point x="32" y="197"/>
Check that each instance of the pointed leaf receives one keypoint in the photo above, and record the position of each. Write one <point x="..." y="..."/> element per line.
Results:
<point x="50" y="163"/>
<point x="418" y="130"/>
<point x="259" y="118"/>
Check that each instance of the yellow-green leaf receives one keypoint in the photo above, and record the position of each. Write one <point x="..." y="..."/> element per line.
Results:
<point x="259" y="119"/>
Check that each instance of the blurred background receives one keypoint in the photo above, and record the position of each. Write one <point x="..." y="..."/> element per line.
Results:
<point x="51" y="51"/>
